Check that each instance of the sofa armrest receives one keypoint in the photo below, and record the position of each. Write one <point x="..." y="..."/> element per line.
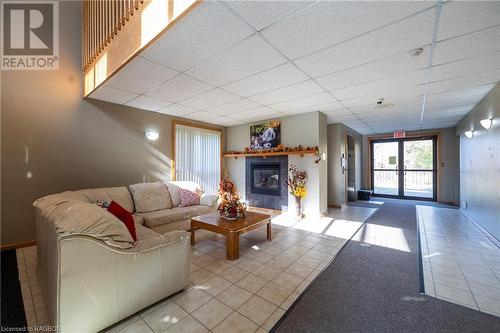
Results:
<point x="151" y="243"/>
<point x="114" y="279"/>
<point x="209" y="200"/>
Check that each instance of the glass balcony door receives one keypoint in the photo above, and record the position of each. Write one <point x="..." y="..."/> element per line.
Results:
<point x="404" y="168"/>
<point x="419" y="168"/>
<point x="385" y="164"/>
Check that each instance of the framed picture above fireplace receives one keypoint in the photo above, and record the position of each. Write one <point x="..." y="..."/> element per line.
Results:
<point x="265" y="136"/>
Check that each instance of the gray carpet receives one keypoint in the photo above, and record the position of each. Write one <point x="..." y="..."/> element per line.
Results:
<point x="376" y="289"/>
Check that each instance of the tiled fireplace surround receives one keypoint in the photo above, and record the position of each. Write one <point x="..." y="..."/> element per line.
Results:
<point x="265" y="200"/>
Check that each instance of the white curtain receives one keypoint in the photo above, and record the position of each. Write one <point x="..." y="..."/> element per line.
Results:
<point x="197" y="156"/>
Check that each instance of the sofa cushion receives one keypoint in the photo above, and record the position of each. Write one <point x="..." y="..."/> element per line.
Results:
<point x="174" y="186"/>
<point x="138" y="219"/>
<point x="73" y="217"/>
<point x="119" y="194"/>
<point x="149" y="197"/>
<point x="165" y="216"/>
<point x="149" y="239"/>
<point x="145" y="233"/>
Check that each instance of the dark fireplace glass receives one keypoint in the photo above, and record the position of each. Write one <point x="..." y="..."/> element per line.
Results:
<point x="265" y="178"/>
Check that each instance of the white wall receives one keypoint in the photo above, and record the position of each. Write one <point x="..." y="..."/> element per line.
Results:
<point x="304" y="129"/>
<point x="480" y="164"/>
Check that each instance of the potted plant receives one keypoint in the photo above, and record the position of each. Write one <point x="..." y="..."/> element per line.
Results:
<point x="297" y="184"/>
<point x="231" y="205"/>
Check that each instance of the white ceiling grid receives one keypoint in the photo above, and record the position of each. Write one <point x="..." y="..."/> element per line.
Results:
<point x="235" y="62"/>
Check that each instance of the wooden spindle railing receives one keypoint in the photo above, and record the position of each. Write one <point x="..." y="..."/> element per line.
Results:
<point x="115" y="31"/>
<point x="102" y="21"/>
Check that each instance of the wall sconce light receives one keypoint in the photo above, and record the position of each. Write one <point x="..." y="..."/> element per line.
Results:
<point x="486" y="123"/>
<point x="151" y="135"/>
<point x="469" y="134"/>
<point x="323" y="156"/>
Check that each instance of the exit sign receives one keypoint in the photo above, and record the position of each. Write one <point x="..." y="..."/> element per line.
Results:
<point x="399" y="134"/>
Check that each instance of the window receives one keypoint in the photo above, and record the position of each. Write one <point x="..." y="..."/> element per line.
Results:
<point x="198" y="156"/>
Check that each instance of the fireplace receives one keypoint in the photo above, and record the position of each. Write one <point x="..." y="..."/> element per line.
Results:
<point x="265" y="178"/>
<point x="265" y="182"/>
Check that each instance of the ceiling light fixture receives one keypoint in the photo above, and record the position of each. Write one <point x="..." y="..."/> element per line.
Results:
<point x="152" y="136"/>
<point x="486" y="123"/>
<point x="469" y="134"/>
<point x="381" y="105"/>
<point x="416" y="52"/>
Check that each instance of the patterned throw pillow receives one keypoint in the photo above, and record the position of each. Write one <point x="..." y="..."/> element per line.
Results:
<point x="188" y="198"/>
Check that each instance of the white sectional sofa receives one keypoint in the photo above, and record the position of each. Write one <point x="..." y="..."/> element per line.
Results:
<point x="92" y="273"/>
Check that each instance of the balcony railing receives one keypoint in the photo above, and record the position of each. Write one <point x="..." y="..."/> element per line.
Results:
<point x="102" y="21"/>
<point x="416" y="183"/>
<point x="115" y="31"/>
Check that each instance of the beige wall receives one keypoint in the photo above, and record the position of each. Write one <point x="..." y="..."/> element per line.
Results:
<point x="336" y="147"/>
<point x="52" y="140"/>
<point x="448" y="164"/>
<point x="303" y="129"/>
<point x="480" y="164"/>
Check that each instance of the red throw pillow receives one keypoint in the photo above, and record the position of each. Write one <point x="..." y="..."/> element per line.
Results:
<point x="124" y="216"/>
<point x="188" y="198"/>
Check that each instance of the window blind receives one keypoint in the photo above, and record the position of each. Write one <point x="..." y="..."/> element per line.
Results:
<point x="197" y="156"/>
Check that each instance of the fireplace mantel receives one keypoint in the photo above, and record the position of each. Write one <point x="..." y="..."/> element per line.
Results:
<point x="274" y="153"/>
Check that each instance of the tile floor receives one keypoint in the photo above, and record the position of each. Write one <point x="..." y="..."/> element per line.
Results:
<point x="247" y="295"/>
<point x="460" y="263"/>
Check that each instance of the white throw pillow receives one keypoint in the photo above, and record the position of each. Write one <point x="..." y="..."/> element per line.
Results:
<point x="149" y="197"/>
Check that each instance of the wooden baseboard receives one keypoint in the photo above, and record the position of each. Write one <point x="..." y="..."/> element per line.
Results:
<point x="17" y="245"/>
<point x="451" y="203"/>
<point x="335" y="206"/>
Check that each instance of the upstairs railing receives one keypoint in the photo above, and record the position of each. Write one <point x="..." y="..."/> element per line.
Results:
<point x="115" y="31"/>
<point x="102" y="21"/>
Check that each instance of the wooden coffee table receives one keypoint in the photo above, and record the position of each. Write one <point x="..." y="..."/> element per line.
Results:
<point x="231" y="229"/>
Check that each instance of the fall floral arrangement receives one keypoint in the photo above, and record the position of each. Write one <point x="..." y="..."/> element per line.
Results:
<point x="231" y="205"/>
<point x="297" y="184"/>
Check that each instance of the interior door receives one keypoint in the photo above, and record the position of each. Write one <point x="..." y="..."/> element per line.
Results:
<point x="405" y="168"/>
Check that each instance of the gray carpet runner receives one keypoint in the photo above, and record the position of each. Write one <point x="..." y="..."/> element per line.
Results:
<point x="371" y="288"/>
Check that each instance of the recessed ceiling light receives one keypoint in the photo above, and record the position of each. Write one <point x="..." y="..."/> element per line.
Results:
<point x="416" y="52"/>
<point x="486" y="123"/>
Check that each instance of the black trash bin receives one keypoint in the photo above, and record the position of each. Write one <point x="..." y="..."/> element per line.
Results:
<point x="365" y="195"/>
